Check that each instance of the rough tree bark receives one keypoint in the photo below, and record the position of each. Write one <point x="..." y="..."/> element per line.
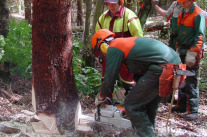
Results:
<point x="4" y="18"/>
<point x="4" y="29"/>
<point x="87" y="36"/>
<point x="139" y="2"/>
<point x="28" y="10"/>
<point x="53" y="83"/>
<point x="97" y="13"/>
<point x="79" y="13"/>
<point x="131" y="4"/>
<point x="144" y="11"/>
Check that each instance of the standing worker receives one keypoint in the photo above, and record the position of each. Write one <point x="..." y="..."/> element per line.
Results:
<point x="142" y="56"/>
<point x="190" y="42"/>
<point x="124" y="23"/>
<point x="170" y="14"/>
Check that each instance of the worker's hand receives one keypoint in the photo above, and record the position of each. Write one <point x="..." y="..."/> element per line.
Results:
<point x="190" y="58"/>
<point x="154" y="2"/>
<point x="99" y="99"/>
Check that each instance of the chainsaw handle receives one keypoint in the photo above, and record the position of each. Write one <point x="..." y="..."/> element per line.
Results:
<point x="107" y="101"/>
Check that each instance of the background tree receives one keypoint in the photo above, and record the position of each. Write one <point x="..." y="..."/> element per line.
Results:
<point x="4" y="18"/>
<point x="79" y="13"/>
<point x="53" y="79"/>
<point x="28" y="10"/>
<point x="144" y="11"/>
<point x="87" y="36"/>
<point x="4" y="29"/>
<point x="131" y="4"/>
<point x="99" y="7"/>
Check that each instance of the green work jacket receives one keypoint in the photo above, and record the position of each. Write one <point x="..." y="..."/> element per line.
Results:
<point x="124" y="24"/>
<point x="139" y="54"/>
<point x="191" y="30"/>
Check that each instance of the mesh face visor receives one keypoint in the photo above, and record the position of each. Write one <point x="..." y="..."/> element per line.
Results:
<point x="108" y="40"/>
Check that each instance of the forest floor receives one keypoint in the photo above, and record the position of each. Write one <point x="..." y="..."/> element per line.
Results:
<point x="15" y="115"/>
<point x="18" y="115"/>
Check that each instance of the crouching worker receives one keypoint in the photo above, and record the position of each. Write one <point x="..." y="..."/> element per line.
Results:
<point x="142" y="56"/>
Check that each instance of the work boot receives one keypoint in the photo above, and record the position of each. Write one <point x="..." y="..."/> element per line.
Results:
<point x="177" y="109"/>
<point x="192" y="116"/>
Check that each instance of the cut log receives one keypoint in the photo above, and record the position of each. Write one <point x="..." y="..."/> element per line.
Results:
<point x="187" y="127"/>
<point x="15" y="98"/>
<point x="154" y="26"/>
<point x="8" y="129"/>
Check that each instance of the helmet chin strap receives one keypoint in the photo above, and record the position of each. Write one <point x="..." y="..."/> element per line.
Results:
<point x="98" y="50"/>
<point x="96" y="46"/>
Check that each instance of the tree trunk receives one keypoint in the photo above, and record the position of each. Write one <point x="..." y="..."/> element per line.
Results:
<point x="128" y="4"/>
<point x="79" y="13"/>
<point x="87" y="36"/>
<point x="53" y="85"/>
<point x="97" y="13"/>
<point x="131" y="4"/>
<point x="4" y="29"/>
<point x="144" y="11"/>
<point x="139" y="2"/>
<point x="4" y="18"/>
<point x="28" y="10"/>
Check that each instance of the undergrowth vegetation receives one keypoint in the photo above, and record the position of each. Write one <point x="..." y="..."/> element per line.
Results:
<point x="16" y="50"/>
<point x="203" y="74"/>
<point x="87" y="79"/>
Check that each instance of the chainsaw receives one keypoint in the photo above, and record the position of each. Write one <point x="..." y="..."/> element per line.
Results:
<point x="112" y="114"/>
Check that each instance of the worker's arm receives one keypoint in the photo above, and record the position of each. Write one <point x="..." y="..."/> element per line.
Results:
<point x="194" y="54"/>
<point x="113" y="63"/>
<point x="161" y="11"/>
<point x="133" y="23"/>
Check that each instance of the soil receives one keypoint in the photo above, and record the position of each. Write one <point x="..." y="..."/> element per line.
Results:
<point x="12" y="114"/>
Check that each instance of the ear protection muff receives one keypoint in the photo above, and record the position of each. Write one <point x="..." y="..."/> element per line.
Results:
<point x="104" y="47"/>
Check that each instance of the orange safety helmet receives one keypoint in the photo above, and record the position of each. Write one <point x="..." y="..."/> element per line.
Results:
<point x="184" y="0"/>
<point x="99" y="36"/>
<point x="121" y="2"/>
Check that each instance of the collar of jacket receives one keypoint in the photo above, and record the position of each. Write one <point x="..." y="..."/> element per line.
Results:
<point x="192" y="8"/>
<point x="118" y="14"/>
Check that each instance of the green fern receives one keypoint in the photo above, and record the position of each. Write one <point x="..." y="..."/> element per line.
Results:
<point x="17" y="48"/>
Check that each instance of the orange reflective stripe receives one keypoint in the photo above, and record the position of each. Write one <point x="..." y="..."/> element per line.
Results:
<point x="124" y="44"/>
<point x="132" y="19"/>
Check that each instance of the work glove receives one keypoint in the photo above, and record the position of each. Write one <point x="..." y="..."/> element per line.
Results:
<point x="99" y="100"/>
<point x="190" y="58"/>
<point x="119" y="96"/>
